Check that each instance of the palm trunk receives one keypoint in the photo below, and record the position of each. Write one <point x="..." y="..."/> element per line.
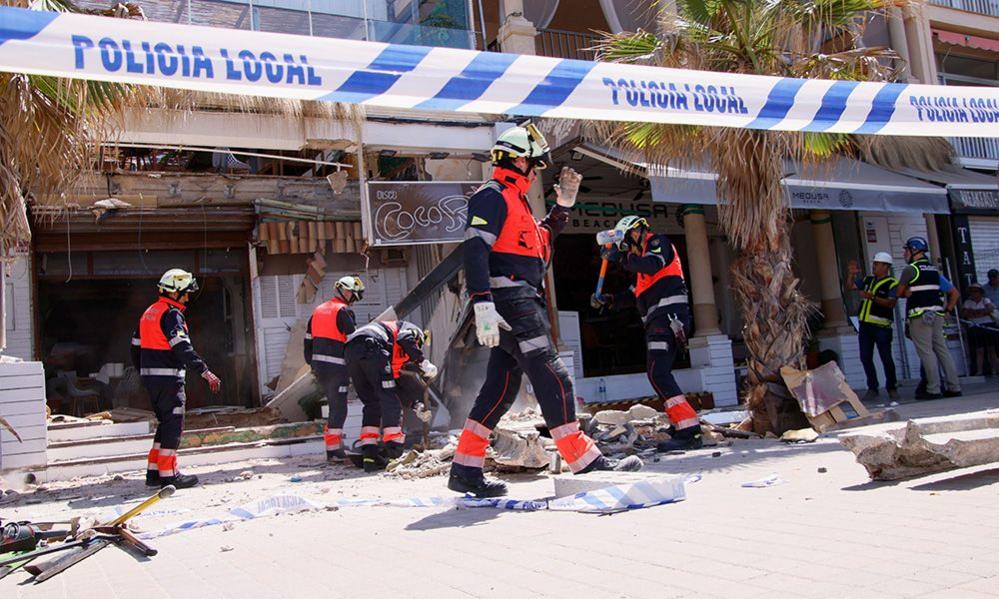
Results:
<point x="775" y="315"/>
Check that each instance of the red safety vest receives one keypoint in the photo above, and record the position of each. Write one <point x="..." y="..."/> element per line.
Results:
<point x="521" y="235"/>
<point x="673" y="269"/>
<point x="324" y="320"/>
<point x="399" y="357"/>
<point x="151" y="334"/>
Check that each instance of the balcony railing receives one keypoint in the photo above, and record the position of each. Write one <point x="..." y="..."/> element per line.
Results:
<point x="986" y="148"/>
<point x="347" y="19"/>
<point x="985" y="7"/>
<point x="565" y="44"/>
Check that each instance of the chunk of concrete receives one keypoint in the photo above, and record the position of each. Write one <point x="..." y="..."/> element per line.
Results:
<point x="641" y="412"/>
<point x="612" y="417"/>
<point x="572" y="484"/>
<point x="521" y="448"/>
<point x="926" y="446"/>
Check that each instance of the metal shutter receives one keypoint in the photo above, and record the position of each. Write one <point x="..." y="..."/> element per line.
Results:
<point x="985" y="241"/>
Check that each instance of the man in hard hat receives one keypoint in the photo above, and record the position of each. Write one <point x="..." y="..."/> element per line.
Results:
<point x="922" y="284"/>
<point x="877" y="313"/>
<point x="660" y="295"/>
<point x="325" y="336"/>
<point x="162" y="351"/>
<point x="376" y="354"/>
<point x="507" y="253"/>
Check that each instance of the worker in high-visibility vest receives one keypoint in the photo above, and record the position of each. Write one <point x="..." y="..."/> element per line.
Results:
<point x="876" y="316"/>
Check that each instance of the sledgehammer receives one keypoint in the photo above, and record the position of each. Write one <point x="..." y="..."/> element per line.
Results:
<point x="606" y="239"/>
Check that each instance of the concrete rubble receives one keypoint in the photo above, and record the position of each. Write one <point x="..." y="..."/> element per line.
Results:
<point x="926" y="446"/>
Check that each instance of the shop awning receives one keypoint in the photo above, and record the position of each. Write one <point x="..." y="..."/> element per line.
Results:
<point x="967" y="41"/>
<point x="969" y="191"/>
<point x="839" y="184"/>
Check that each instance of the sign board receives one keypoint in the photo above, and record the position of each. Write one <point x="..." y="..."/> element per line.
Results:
<point x="964" y="250"/>
<point x="592" y="215"/>
<point x="417" y="212"/>
<point x="985" y="201"/>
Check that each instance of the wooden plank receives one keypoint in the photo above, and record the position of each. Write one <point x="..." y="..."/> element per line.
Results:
<point x="21" y="381"/>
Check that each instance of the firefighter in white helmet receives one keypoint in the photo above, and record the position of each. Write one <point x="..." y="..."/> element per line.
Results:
<point x="507" y="253"/>
<point x="876" y="316"/>
<point x="325" y="338"/>
<point x="162" y="351"/>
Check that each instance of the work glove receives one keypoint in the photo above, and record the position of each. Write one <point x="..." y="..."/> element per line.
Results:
<point x="488" y="323"/>
<point x="567" y="187"/>
<point x="428" y="370"/>
<point x="679" y="332"/>
<point x="422" y="412"/>
<point x="610" y="254"/>
<point x="214" y="382"/>
<point x="599" y="301"/>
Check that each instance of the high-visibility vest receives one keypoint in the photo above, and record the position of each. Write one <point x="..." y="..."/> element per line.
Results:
<point x="521" y="234"/>
<point x="151" y="335"/>
<point x="872" y="312"/>
<point x="925" y="290"/>
<point x="673" y="269"/>
<point x="399" y="357"/>
<point x="324" y="320"/>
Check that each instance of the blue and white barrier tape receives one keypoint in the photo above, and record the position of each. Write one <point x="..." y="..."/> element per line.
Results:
<point x="423" y="78"/>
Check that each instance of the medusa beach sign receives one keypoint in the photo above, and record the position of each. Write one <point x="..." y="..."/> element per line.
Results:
<point x="415" y="77"/>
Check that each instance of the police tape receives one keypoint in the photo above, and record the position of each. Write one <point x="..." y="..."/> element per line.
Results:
<point x="611" y="499"/>
<point x="446" y="79"/>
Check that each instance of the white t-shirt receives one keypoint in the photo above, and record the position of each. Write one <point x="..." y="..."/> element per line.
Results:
<point x="984" y="304"/>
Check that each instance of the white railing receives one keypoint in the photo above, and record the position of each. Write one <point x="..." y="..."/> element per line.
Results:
<point x="976" y="147"/>
<point x="985" y="7"/>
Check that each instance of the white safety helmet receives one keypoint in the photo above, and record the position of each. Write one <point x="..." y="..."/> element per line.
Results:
<point x="524" y="141"/>
<point x="883" y="257"/>
<point x="625" y="226"/>
<point x="352" y="283"/>
<point x="177" y="279"/>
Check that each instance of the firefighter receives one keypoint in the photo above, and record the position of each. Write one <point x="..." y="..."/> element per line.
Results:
<point x="325" y="337"/>
<point x="162" y="351"/>
<point x="506" y="255"/>
<point x="376" y="354"/>
<point x="660" y="294"/>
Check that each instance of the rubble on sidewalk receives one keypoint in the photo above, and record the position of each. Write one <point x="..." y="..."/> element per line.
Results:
<point x="926" y="446"/>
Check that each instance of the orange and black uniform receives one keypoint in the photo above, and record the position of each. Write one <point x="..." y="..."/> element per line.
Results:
<point x="507" y="253"/>
<point x="375" y="356"/>
<point x="325" y="338"/>
<point x="661" y="295"/>
<point x="162" y="351"/>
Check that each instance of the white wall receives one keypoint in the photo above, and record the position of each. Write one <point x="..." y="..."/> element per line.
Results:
<point x="19" y="311"/>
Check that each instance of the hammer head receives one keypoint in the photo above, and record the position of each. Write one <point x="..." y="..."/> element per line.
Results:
<point x="610" y="237"/>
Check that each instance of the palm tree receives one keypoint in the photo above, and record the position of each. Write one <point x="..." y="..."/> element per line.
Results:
<point x="787" y="38"/>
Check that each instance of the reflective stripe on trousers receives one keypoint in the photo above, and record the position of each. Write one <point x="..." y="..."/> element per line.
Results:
<point x="167" y="463"/>
<point x="680" y="413"/>
<point x="369" y="435"/>
<point x="666" y="301"/>
<point x="332" y="437"/>
<point x="472" y="445"/>
<point x="152" y="462"/>
<point x="177" y="372"/>
<point x="393" y="434"/>
<point x="576" y="448"/>
<point x="329" y="359"/>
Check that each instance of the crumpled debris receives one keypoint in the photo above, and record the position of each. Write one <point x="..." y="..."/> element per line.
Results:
<point x="520" y="448"/>
<point x="422" y="464"/>
<point x="801" y="435"/>
<point x="768" y="481"/>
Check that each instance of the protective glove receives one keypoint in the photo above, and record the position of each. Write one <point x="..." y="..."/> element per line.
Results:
<point x="428" y="370"/>
<point x="422" y="412"/>
<point x="567" y="187"/>
<point x="610" y="254"/>
<point x="488" y="323"/>
<point x="598" y="302"/>
<point x="679" y="332"/>
<point x="214" y="382"/>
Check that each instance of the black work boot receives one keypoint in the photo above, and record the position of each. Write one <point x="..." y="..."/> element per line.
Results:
<point x="372" y="459"/>
<point x="393" y="451"/>
<point x="181" y="481"/>
<point x="465" y="479"/>
<point x="683" y="439"/>
<point x="152" y="478"/>
<point x="337" y="455"/>
<point x="632" y="463"/>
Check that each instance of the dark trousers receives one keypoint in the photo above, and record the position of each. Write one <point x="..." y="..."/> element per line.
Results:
<point x="370" y="369"/>
<point x="871" y="335"/>
<point x="334" y="384"/>
<point x="167" y="396"/>
<point x="661" y="350"/>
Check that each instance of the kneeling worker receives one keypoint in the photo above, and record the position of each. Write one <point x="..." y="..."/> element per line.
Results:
<point x="375" y="356"/>
<point x="325" y="337"/>
<point x="162" y="351"/>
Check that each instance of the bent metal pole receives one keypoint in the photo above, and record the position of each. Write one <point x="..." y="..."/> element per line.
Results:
<point x="423" y="78"/>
